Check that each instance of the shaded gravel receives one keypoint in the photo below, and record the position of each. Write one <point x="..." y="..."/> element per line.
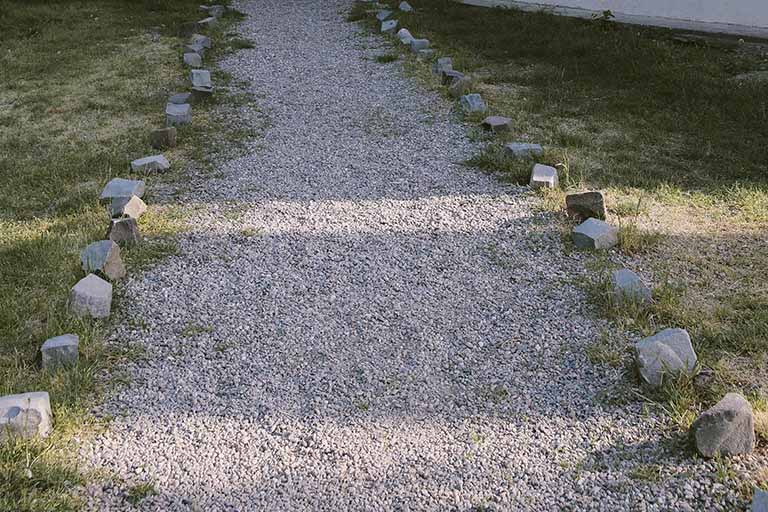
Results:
<point x="358" y="322"/>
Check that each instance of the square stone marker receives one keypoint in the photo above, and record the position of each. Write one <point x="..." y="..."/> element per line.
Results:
<point x="193" y="60"/>
<point x="442" y="64"/>
<point x="91" y="296"/>
<point x="419" y="44"/>
<point x="124" y="231"/>
<point x="60" y="351"/>
<point x="200" y="78"/>
<point x="202" y="40"/>
<point x="595" y="234"/>
<point x="132" y="207"/>
<point x="163" y="138"/>
<point x="195" y="48"/>
<point x="25" y="415"/>
<point x="543" y="176"/>
<point x="119" y="187"/>
<point x="388" y="26"/>
<point x="383" y="15"/>
<point x="177" y="115"/>
<point x="497" y="123"/>
<point x="524" y="150"/>
<point x="103" y="258"/>
<point x="472" y="103"/>
<point x="154" y="163"/>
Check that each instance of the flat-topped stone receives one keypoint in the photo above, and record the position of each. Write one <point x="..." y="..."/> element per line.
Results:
<point x="132" y="207"/>
<point x="200" y="78"/>
<point x="472" y="103"/>
<point x="119" y="187"/>
<point x="425" y="54"/>
<point x="442" y="64"/>
<point x="208" y="22"/>
<point x="419" y="44"/>
<point x="193" y="60"/>
<point x="383" y="15"/>
<point x="388" y="26"/>
<point x="162" y="138"/>
<point x="60" y="351"/>
<point x="459" y="87"/>
<point x="124" y="231"/>
<point x="195" y="48"/>
<point x="202" y="40"/>
<point x="25" y="416"/>
<point x="405" y="7"/>
<point x="595" y="234"/>
<point x="523" y="150"/>
<point x="628" y="287"/>
<point x="665" y="355"/>
<point x="448" y="76"/>
<point x="543" y="176"/>
<point x="583" y="205"/>
<point x="726" y="429"/>
<point x="91" y="296"/>
<point x="497" y="123"/>
<point x="177" y="115"/>
<point x="180" y="98"/>
<point x="153" y="163"/>
<point x="103" y="259"/>
<point x="405" y="36"/>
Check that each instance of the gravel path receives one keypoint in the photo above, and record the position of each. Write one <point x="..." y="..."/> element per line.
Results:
<point x="358" y="322"/>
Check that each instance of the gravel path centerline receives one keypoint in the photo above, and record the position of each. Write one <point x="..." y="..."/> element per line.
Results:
<point x="356" y="321"/>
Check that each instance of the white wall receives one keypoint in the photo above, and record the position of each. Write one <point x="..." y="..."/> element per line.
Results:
<point x="739" y="12"/>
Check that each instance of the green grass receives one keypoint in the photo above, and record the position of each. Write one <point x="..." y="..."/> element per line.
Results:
<point x="387" y="58"/>
<point x="139" y="492"/>
<point x="82" y="85"/>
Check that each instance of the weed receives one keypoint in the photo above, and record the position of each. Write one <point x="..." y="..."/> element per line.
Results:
<point x="646" y="473"/>
<point x="139" y="492"/>
<point x="387" y="57"/>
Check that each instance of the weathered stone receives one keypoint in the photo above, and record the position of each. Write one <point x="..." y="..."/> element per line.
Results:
<point x="759" y="501"/>
<point x="726" y="429"/>
<point x="405" y="36"/>
<point x="473" y="103"/>
<point x="103" y="258"/>
<point x="119" y="187"/>
<point x="200" y="94"/>
<point x="383" y="15"/>
<point x="60" y="351"/>
<point x="132" y="207"/>
<point x="447" y="76"/>
<point x="148" y="164"/>
<point x="202" y="40"/>
<point x="442" y="64"/>
<point x="207" y="22"/>
<point x="388" y="26"/>
<point x="217" y="11"/>
<point x="200" y="78"/>
<point x="425" y="54"/>
<point x="497" y="123"/>
<point x="91" y="296"/>
<point x="584" y="205"/>
<point x="124" y="231"/>
<point x="628" y="287"/>
<point x="665" y="354"/>
<point x="595" y="234"/>
<point x="25" y="416"/>
<point x="419" y="44"/>
<point x="180" y="98"/>
<point x="193" y="60"/>
<point x="459" y="87"/>
<point x="177" y="115"/>
<point x="523" y="150"/>
<point x="163" y="137"/>
<point x="405" y="7"/>
<point x="543" y="176"/>
<point x="197" y="49"/>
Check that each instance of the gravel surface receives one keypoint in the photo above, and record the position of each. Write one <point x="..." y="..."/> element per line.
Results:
<point x="356" y="321"/>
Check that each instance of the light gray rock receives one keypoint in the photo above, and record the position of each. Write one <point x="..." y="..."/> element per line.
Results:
<point x="200" y="94"/>
<point x="202" y="40"/>
<point x="388" y="26"/>
<point x="103" y="258"/>
<point x="726" y="429"/>
<point x="25" y="415"/>
<point x="163" y="137"/>
<point x="177" y="115"/>
<point x="497" y="123"/>
<point x="583" y="205"/>
<point x="200" y="78"/>
<point x="595" y="234"/>
<point x="149" y="164"/>
<point x="60" y="351"/>
<point x="543" y="176"/>
<point x="419" y="44"/>
<point x="383" y="15"/>
<point x="628" y="287"/>
<point x="193" y="60"/>
<point x="207" y="22"/>
<point x="180" y="98"/>
<point x="197" y="49"/>
<point x="473" y="103"/>
<point x="665" y="354"/>
<point x="442" y="64"/>
<point x="91" y="296"/>
<point x="523" y="150"/>
<point x="459" y="87"/>
<point x="119" y="187"/>
<point x="448" y="76"/>
<point x="132" y="207"/>
<point x="405" y="7"/>
<point x="405" y="36"/>
<point x="124" y="231"/>
<point x="425" y="54"/>
<point x="759" y="501"/>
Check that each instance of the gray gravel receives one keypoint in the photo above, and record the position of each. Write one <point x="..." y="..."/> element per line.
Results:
<point x="358" y="322"/>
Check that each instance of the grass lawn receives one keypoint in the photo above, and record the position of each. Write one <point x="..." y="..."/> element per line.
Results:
<point x="672" y="132"/>
<point x="82" y="84"/>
